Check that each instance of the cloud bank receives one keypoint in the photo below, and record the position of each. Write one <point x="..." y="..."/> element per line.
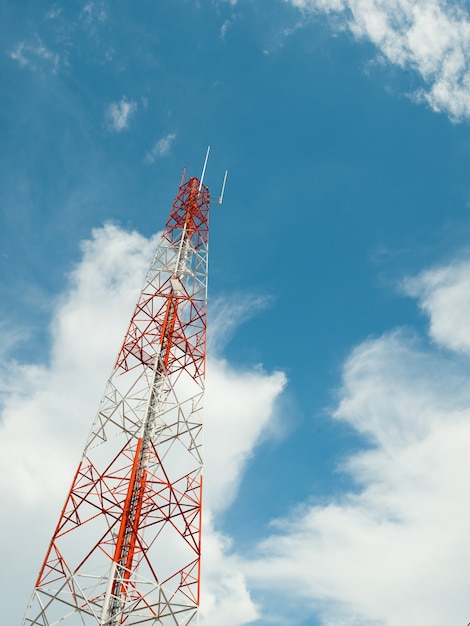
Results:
<point x="395" y="550"/>
<point x="429" y="37"/>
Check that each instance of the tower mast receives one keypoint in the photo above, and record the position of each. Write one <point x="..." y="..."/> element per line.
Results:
<point x="127" y="546"/>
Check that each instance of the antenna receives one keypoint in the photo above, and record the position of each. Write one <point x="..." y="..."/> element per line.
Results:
<point x="204" y="168"/>
<point x="221" y="197"/>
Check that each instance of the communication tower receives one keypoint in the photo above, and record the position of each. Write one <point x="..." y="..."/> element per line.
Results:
<point x="127" y="546"/>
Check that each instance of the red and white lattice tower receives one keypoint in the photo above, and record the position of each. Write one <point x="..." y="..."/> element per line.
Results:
<point x="127" y="547"/>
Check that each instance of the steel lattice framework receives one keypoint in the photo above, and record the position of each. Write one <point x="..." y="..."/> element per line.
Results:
<point x="126" y="549"/>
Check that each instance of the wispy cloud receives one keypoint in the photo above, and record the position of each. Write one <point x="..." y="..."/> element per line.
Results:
<point x="54" y="13"/>
<point x="119" y="114"/>
<point x="35" y="55"/>
<point x="160" y="148"/>
<point x="94" y="11"/>
<point x="228" y="313"/>
<point x="229" y="22"/>
<point x="224" y="28"/>
<point x="429" y="37"/>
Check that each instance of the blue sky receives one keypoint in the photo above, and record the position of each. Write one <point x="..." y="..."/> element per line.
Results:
<point x="339" y="284"/>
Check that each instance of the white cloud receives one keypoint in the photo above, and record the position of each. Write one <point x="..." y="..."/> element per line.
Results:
<point x="430" y="37"/>
<point x="48" y="408"/>
<point x="160" y="148"/>
<point x="443" y="297"/>
<point x="240" y="422"/>
<point x="395" y="550"/>
<point x="119" y="114"/>
<point x="225" y="595"/>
